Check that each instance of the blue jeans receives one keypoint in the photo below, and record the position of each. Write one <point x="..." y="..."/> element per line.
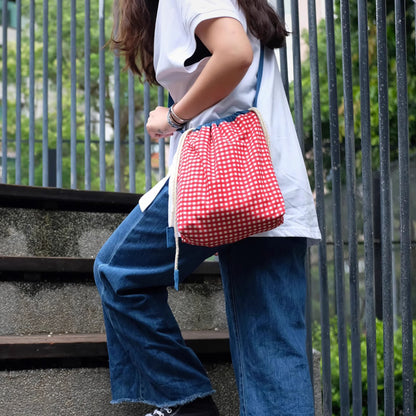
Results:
<point x="264" y="288"/>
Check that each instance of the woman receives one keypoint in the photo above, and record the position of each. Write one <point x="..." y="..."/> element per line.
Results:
<point x="206" y="54"/>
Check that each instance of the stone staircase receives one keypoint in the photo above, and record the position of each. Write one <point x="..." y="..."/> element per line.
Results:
<point x="53" y="357"/>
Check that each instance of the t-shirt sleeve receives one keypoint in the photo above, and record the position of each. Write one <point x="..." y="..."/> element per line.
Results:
<point x="194" y="12"/>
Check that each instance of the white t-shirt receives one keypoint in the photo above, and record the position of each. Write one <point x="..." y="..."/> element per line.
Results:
<point x="175" y="43"/>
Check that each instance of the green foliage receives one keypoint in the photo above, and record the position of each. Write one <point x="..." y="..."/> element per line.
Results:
<point x="398" y="366"/>
<point x="373" y="81"/>
<point x="66" y="97"/>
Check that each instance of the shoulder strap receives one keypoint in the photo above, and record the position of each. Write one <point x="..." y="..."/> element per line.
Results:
<point x="259" y="75"/>
<point x="170" y="101"/>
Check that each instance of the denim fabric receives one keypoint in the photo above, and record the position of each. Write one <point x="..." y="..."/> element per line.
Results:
<point x="264" y="287"/>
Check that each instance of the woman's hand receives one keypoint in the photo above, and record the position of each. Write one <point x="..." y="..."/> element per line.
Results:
<point x="157" y="123"/>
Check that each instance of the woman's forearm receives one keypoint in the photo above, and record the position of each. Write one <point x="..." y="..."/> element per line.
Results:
<point x="218" y="79"/>
<point x="231" y="57"/>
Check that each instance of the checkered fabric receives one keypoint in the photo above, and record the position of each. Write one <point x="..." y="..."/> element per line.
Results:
<point x="226" y="185"/>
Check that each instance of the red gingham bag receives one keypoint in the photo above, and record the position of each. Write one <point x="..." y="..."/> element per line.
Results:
<point x="226" y="186"/>
<point x="223" y="183"/>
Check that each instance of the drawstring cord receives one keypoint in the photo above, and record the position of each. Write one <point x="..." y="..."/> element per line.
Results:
<point x="173" y="183"/>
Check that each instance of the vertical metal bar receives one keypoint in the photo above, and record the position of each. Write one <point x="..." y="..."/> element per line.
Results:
<point x="87" y="78"/>
<point x="283" y="51"/>
<point x="162" y="155"/>
<point x="32" y="93"/>
<point x="18" y="175"/>
<point x="352" y="224"/>
<point x="368" y="200"/>
<point x="117" y="164"/>
<point x="4" y="143"/>
<point x="297" y="73"/>
<point x="73" y="96"/>
<point x="405" y="238"/>
<point x="336" y="197"/>
<point x="320" y="207"/>
<point x="101" y="23"/>
<point x="132" y="144"/>
<point x="52" y="167"/>
<point x="45" y="141"/>
<point x="147" y="142"/>
<point x="298" y="107"/>
<point x="117" y="150"/>
<point x="385" y="200"/>
<point x="378" y="273"/>
<point x="59" y="94"/>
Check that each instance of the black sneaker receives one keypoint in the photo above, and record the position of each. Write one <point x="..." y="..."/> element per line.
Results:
<point x="199" y="407"/>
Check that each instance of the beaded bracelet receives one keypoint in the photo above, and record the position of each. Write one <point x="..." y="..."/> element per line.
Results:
<point x="172" y="122"/>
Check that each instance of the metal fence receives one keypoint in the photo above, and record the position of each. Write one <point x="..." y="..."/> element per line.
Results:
<point x="71" y="118"/>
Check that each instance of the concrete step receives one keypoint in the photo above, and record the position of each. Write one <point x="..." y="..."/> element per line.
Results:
<point x="86" y="392"/>
<point x="59" y="199"/>
<point x="58" y="296"/>
<point x="59" y="222"/>
<point x="34" y="232"/>
<point x="39" y="268"/>
<point x="61" y="389"/>
<point x="37" y="347"/>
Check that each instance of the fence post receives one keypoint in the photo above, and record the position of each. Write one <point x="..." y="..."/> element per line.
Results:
<point x="45" y="93"/>
<point x="87" y="81"/>
<point x="405" y="243"/>
<point x="283" y="52"/>
<point x="18" y="176"/>
<point x="352" y="213"/>
<point x="4" y="144"/>
<point x="336" y="192"/>
<point x="320" y="208"/>
<point x="32" y="94"/>
<point x="132" y="136"/>
<point x="52" y="167"/>
<point x="59" y="112"/>
<point x="378" y="270"/>
<point x="101" y="23"/>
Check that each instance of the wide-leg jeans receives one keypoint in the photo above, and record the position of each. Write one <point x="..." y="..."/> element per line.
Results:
<point x="264" y="289"/>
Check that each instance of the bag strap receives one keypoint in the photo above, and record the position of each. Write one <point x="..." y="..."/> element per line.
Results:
<point x="259" y="75"/>
<point x="170" y="101"/>
<point x="259" y="78"/>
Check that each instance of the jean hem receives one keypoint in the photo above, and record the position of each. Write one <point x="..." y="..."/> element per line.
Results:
<point x="297" y="414"/>
<point x="189" y="399"/>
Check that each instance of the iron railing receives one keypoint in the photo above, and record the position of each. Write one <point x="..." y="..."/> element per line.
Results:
<point x="72" y="118"/>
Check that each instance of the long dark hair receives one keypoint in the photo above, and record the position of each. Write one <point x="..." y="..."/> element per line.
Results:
<point x="134" y="26"/>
